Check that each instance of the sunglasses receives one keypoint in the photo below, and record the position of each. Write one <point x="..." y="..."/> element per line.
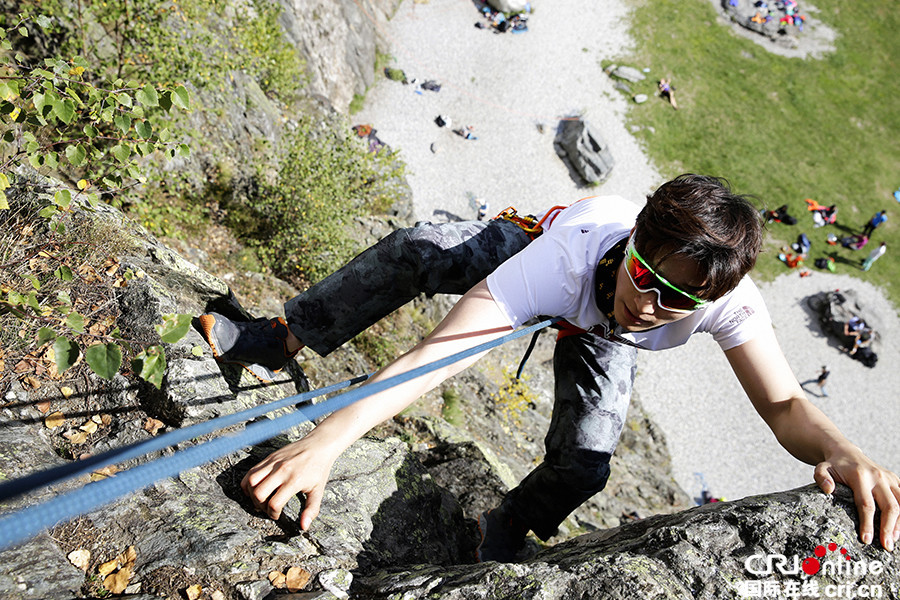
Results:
<point x="644" y="279"/>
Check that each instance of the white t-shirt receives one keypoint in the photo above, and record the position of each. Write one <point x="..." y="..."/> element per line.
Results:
<point x="554" y="276"/>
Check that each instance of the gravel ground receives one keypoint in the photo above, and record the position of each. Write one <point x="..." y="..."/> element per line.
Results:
<point x="505" y="86"/>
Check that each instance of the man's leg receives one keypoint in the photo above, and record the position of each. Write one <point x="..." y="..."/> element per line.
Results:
<point x="594" y="378"/>
<point x="443" y="258"/>
<point x="446" y="258"/>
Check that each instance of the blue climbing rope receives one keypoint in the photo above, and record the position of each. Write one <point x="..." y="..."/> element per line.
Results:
<point x="85" y="466"/>
<point x="27" y="522"/>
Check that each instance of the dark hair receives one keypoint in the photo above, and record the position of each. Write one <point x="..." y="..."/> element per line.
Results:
<point x="698" y="217"/>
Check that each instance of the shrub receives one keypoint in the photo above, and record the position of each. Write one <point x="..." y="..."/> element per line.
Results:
<point x="298" y="219"/>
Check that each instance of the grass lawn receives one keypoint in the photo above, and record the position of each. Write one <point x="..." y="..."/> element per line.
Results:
<point x="782" y="129"/>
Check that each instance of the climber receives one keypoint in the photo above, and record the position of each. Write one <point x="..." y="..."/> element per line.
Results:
<point x="623" y="279"/>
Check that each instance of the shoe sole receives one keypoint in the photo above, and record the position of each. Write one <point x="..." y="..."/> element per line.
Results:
<point x="260" y="372"/>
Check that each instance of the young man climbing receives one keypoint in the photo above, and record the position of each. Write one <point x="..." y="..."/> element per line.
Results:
<point x="623" y="279"/>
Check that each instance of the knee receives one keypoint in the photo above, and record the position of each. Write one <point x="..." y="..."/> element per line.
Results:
<point x="585" y="470"/>
<point x="420" y="244"/>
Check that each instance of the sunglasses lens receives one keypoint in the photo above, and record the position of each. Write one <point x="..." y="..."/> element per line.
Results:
<point x="645" y="279"/>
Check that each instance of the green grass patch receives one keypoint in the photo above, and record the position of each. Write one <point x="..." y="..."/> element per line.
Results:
<point x="781" y="129"/>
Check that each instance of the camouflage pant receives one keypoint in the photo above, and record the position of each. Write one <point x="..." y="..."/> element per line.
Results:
<point x="593" y="376"/>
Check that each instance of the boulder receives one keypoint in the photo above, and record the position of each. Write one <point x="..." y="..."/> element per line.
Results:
<point x="586" y="151"/>
<point x="510" y="6"/>
<point x="628" y="74"/>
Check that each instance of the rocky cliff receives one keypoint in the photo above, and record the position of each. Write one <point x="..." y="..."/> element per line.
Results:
<point x="398" y="517"/>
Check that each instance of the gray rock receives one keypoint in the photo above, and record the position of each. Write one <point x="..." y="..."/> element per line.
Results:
<point x="640" y="98"/>
<point x="38" y="570"/>
<point x="337" y="582"/>
<point x="585" y="149"/>
<point x="707" y="552"/>
<point x="623" y="86"/>
<point x="508" y="6"/>
<point x="338" y="41"/>
<point x="255" y="590"/>
<point x="628" y="74"/>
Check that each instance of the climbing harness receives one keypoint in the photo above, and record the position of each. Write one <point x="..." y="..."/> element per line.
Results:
<point x="528" y="223"/>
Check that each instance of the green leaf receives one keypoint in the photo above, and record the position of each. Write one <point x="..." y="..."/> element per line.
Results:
<point x="184" y="150"/>
<point x="40" y="101"/>
<point x="35" y="284"/>
<point x="64" y="298"/>
<point x="51" y="159"/>
<point x="144" y="129"/>
<point x="66" y="353"/>
<point x="75" y="322"/>
<point x="43" y="20"/>
<point x="197" y="351"/>
<point x="4" y="203"/>
<point x="35" y="160"/>
<point x="48" y="211"/>
<point x="104" y="359"/>
<point x="4" y="181"/>
<point x="65" y="111"/>
<point x="150" y="365"/>
<point x="62" y="198"/>
<point x="147" y="96"/>
<point x="123" y="122"/>
<point x="64" y="273"/>
<point x="181" y="98"/>
<point x="45" y="334"/>
<point x="174" y="327"/>
<point x="121" y="152"/>
<point x="165" y="100"/>
<point x="76" y="155"/>
<point x="124" y="99"/>
<point x="93" y="200"/>
<point x="91" y="131"/>
<point x="23" y="32"/>
<point x="32" y="301"/>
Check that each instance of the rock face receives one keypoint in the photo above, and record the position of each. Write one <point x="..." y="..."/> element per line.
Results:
<point x="763" y="546"/>
<point x="338" y="40"/>
<point x="585" y="150"/>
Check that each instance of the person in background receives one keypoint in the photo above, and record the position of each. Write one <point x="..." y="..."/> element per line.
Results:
<point x="873" y="256"/>
<point x="874" y="222"/>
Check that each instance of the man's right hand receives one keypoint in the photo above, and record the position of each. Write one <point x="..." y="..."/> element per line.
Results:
<point x="295" y="468"/>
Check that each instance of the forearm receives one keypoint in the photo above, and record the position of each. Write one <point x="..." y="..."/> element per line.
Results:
<point x="804" y="431"/>
<point x="343" y="427"/>
<point x="475" y="319"/>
